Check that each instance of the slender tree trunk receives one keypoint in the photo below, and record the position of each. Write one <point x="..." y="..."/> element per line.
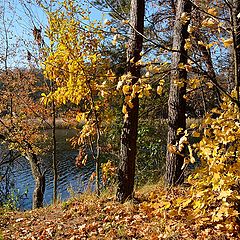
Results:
<point x="236" y="44"/>
<point x="210" y="69"/>
<point x="54" y="150"/>
<point x="177" y="102"/>
<point x="126" y="172"/>
<point x="39" y="178"/>
<point x="206" y="54"/>
<point x="96" y="154"/>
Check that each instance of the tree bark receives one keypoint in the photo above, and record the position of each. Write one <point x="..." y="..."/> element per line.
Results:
<point x="39" y="178"/>
<point x="54" y="154"/>
<point x="236" y="44"/>
<point x="177" y="102"/>
<point x="126" y="172"/>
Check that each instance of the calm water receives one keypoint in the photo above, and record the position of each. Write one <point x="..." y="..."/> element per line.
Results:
<point x="70" y="177"/>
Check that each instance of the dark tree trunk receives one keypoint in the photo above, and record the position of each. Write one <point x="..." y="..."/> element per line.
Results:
<point x="39" y="179"/>
<point x="128" y="150"/>
<point x="176" y="102"/>
<point x="236" y="39"/>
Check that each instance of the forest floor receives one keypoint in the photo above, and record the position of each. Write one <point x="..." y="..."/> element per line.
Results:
<point x="89" y="217"/>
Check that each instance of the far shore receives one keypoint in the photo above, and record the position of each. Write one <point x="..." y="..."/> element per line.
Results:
<point x="61" y="123"/>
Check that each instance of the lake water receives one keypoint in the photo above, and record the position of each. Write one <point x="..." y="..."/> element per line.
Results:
<point x="70" y="177"/>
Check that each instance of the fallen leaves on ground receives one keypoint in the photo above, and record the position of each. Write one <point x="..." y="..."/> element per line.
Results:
<point x="149" y="216"/>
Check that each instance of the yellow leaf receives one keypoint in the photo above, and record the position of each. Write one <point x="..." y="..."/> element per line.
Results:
<point x="147" y="74"/>
<point x="213" y="11"/>
<point x="209" y="85"/>
<point x="181" y="66"/>
<point x="193" y="125"/>
<point x="84" y="161"/>
<point x="228" y="42"/>
<point x="192" y="159"/>
<point x="125" y="21"/>
<point x="130" y="104"/>
<point x="208" y="46"/>
<point x="179" y="130"/>
<point x="202" y="43"/>
<point x="186" y="203"/>
<point x="124" y="109"/>
<point x="107" y="22"/>
<point x="198" y="204"/>
<point x="159" y="90"/>
<point x="185" y="17"/>
<point x="153" y="195"/>
<point x="126" y="89"/>
<point x="135" y="88"/>
<point x="179" y="83"/>
<point x="147" y="93"/>
<point x="172" y="148"/>
<point x="94" y="58"/>
<point x="183" y="140"/>
<point x="188" y="44"/>
<point x="210" y="23"/>
<point x="225" y="194"/>
<point x="113" y="30"/>
<point x="132" y="60"/>
<point x="190" y="29"/>
<point x="162" y="81"/>
<point x="148" y="87"/>
<point x="195" y="134"/>
<point x="167" y="205"/>
<point x="114" y="42"/>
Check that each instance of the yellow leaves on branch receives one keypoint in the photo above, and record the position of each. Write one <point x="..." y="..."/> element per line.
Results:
<point x="213" y="11"/>
<point x="131" y="91"/>
<point x="194" y="83"/>
<point x="185" y="17"/>
<point x="142" y="87"/>
<point x="207" y="45"/>
<point x="109" y="170"/>
<point x="81" y="75"/>
<point x="213" y="193"/>
<point x="210" y="23"/>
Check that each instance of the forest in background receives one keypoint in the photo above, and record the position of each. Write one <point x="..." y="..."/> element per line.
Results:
<point x="151" y="84"/>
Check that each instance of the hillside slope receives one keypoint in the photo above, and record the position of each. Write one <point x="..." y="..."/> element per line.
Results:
<point x="89" y="217"/>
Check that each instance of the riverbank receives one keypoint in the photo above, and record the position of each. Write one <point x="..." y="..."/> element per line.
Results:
<point x="89" y="217"/>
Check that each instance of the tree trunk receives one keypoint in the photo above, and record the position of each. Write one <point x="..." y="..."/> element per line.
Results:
<point x="206" y="53"/>
<point x="126" y="172"/>
<point x="176" y="101"/>
<point x="54" y="152"/>
<point x="39" y="178"/>
<point x="236" y="44"/>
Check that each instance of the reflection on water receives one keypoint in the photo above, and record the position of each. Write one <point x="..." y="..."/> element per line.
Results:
<point x="69" y="175"/>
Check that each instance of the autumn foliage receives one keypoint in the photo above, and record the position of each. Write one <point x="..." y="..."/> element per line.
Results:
<point x="207" y="205"/>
